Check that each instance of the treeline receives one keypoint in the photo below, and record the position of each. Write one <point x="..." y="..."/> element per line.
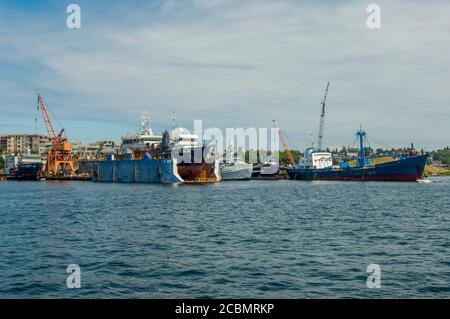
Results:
<point x="442" y="155"/>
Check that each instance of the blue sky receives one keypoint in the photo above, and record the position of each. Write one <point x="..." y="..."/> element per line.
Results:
<point x="232" y="64"/>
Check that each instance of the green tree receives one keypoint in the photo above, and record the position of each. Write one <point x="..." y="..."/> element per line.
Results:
<point x="2" y="162"/>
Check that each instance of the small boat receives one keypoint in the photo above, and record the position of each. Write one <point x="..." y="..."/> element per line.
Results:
<point x="234" y="167"/>
<point x="269" y="168"/>
<point x="236" y="170"/>
<point x="424" y="181"/>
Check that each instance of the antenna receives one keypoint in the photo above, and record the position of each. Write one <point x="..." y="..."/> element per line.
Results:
<point x="174" y="118"/>
<point x="312" y="139"/>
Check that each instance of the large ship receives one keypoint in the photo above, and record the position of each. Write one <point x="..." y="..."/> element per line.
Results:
<point x="196" y="161"/>
<point x="317" y="165"/>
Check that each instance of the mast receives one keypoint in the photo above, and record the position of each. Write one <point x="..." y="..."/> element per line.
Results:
<point x="361" y="135"/>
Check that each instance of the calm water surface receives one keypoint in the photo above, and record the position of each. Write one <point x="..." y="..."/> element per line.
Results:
<point x="261" y="239"/>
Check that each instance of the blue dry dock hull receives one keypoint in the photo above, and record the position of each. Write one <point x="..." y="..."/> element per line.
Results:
<point x="137" y="171"/>
<point x="405" y="169"/>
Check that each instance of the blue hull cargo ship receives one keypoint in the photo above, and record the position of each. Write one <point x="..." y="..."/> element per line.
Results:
<point x="316" y="165"/>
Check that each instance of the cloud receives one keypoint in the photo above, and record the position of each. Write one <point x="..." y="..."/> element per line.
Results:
<point x="237" y="63"/>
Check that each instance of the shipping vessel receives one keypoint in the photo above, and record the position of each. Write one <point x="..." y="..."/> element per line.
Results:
<point x="317" y="165"/>
<point x="196" y="162"/>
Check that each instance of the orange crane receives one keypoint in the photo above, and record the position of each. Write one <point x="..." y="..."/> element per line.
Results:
<point x="285" y="144"/>
<point x="59" y="157"/>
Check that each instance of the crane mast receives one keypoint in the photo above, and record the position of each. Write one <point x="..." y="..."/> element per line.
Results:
<point x="285" y="145"/>
<point x="322" y="120"/>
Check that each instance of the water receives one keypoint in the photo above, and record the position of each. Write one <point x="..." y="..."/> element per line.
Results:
<point x="259" y="239"/>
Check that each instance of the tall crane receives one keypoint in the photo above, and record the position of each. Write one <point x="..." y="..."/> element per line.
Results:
<point x="322" y="120"/>
<point x="59" y="156"/>
<point x="285" y="144"/>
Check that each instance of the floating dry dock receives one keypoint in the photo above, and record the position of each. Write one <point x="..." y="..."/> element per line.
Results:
<point x="146" y="170"/>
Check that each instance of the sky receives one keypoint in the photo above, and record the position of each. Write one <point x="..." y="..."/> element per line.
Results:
<point x="230" y="63"/>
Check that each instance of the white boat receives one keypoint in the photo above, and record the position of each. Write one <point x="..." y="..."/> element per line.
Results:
<point x="267" y="169"/>
<point x="236" y="170"/>
<point x="233" y="167"/>
<point x="141" y="140"/>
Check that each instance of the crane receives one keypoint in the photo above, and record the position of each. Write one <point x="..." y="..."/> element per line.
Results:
<point x="285" y="145"/>
<point x="59" y="156"/>
<point x="322" y="120"/>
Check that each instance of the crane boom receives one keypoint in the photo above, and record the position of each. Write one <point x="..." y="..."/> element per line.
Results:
<point x="322" y="119"/>
<point x="285" y="145"/>
<point x="59" y="156"/>
<point x="48" y="123"/>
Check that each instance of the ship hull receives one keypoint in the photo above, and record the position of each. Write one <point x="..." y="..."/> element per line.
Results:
<point x="137" y="171"/>
<point x="236" y="172"/>
<point x="407" y="169"/>
<point x="28" y="172"/>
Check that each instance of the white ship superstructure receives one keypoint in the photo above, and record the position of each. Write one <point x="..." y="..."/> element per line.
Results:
<point x="141" y="140"/>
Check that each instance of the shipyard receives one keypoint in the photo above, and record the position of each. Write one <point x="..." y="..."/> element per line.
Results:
<point x="184" y="157"/>
<point x="223" y="157"/>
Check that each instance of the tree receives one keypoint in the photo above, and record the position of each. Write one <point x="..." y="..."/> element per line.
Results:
<point x="2" y="162"/>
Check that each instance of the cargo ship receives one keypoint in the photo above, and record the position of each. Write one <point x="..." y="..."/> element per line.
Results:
<point x="317" y="165"/>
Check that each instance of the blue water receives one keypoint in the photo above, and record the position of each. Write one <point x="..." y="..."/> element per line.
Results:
<point x="258" y="239"/>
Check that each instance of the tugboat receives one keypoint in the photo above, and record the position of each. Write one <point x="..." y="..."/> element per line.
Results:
<point x="317" y="165"/>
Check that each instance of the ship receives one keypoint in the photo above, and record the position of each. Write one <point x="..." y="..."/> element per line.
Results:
<point x="318" y="165"/>
<point x="269" y="168"/>
<point x="176" y="159"/>
<point x="141" y="140"/>
<point x="196" y="161"/>
<point x="234" y="167"/>
<point x="29" y="172"/>
<point x="152" y="165"/>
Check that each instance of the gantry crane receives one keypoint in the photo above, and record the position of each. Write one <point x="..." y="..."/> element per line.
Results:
<point x="285" y="145"/>
<point x="322" y="120"/>
<point x="59" y="157"/>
